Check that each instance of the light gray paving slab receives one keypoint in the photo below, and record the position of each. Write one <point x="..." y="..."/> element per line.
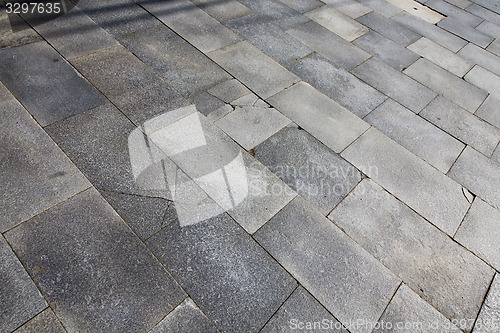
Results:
<point x="97" y="263"/>
<point x="326" y="120"/>
<point x="415" y="134"/>
<point x="247" y="100"/>
<point x="21" y="299"/>
<point x="441" y="56"/>
<point x="74" y="34"/>
<point x="382" y="7"/>
<point x="348" y="281"/>
<point x="302" y="312"/>
<point x="36" y="174"/>
<point x="425" y="189"/>
<point x="45" y="321"/>
<point x="223" y="11"/>
<point x="249" y="126"/>
<point x="341" y="53"/>
<point x="488" y="111"/>
<point x="253" y="68"/>
<point x="416" y="9"/>
<point x="14" y="31"/>
<point x="450" y="86"/>
<point x="479" y="232"/>
<point x="492" y="5"/>
<point x="308" y="167"/>
<point x="4" y="93"/>
<point x="396" y="85"/>
<point x="470" y="34"/>
<point x="351" y="8"/>
<point x="487" y="321"/>
<point x="462" y="125"/>
<point x="434" y="33"/>
<point x="186" y="317"/>
<point x="483" y="58"/>
<point x="484" y="13"/>
<point x="386" y="50"/>
<point x="340" y="24"/>
<point x="490" y="29"/>
<point x="479" y="174"/>
<point x="443" y="273"/>
<point x="460" y="3"/>
<point x="484" y="79"/>
<point x="28" y="71"/>
<point x="338" y="84"/>
<point x="389" y="28"/>
<point x="229" y="91"/>
<point x="408" y="308"/>
<point x="302" y="6"/>
<point x="191" y="23"/>
<point x="229" y="276"/>
<point x="455" y="12"/>
<point x="494" y="47"/>
<point x="496" y="155"/>
<point x="276" y="11"/>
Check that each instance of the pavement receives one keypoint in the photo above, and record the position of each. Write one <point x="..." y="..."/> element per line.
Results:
<point x="251" y="165"/>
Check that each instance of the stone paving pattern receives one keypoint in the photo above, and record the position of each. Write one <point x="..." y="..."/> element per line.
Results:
<point x="379" y="120"/>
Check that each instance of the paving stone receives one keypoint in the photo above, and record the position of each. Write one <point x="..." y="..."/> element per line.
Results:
<point x="184" y="67"/>
<point x="386" y="50"/>
<point x="253" y="68"/>
<point x="340" y="24"/>
<point x="348" y="281"/>
<point x="276" y="11"/>
<point x="89" y="269"/>
<point x="389" y="28"/>
<point x="14" y="31"/>
<point x="479" y="232"/>
<point x="326" y="120"/>
<point x="479" y="174"/>
<point x="25" y="63"/>
<point x="36" y="174"/>
<point x="186" y="317"/>
<point x="408" y="308"/>
<point x="222" y="267"/>
<point x="223" y="11"/>
<point x="484" y="13"/>
<point x="432" y="32"/>
<point x="490" y="29"/>
<point x="418" y="10"/>
<point x="488" y="111"/>
<point x="415" y="134"/>
<point x="229" y="91"/>
<point x="4" y="93"/>
<point x="460" y="3"/>
<point x="458" y="14"/>
<point x="308" y="167"/>
<point x="494" y="47"/>
<point x="81" y="35"/>
<point x="21" y="299"/>
<point x="470" y="34"/>
<point x="484" y="79"/>
<point x="191" y="23"/>
<point x="382" y="7"/>
<point x="481" y="57"/>
<point x="393" y="83"/>
<point x="496" y="155"/>
<point x="487" y="321"/>
<point x="270" y="39"/>
<point x="45" y="321"/>
<point x="462" y="125"/>
<point x="302" y="6"/>
<point x="117" y="16"/>
<point x="426" y="190"/>
<point x="441" y="56"/>
<point x="339" y="85"/>
<point x="351" y="8"/>
<point x="247" y="100"/>
<point x="443" y="82"/>
<point x="443" y="273"/>
<point x="301" y="310"/>
<point x="341" y="53"/>
<point x="492" y="5"/>
<point x="249" y="126"/>
<point x="207" y="103"/>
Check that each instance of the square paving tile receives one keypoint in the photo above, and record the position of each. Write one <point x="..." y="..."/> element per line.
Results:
<point x="98" y="276"/>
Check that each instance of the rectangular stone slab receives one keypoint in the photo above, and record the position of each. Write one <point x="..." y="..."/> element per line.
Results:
<point x="464" y="31"/>
<point x="389" y="28"/>
<point x="338" y="23"/>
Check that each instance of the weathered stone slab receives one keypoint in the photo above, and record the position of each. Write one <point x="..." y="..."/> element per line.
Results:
<point x="351" y="8"/>
<point x="229" y="91"/>
<point x="484" y="79"/>
<point x="348" y="281"/>
<point x="389" y="28"/>
<point x="23" y="33"/>
<point x="45" y="321"/>
<point x="276" y="11"/>
<point x="338" y="23"/>
<point x="488" y="111"/>
<point x="320" y="116"/>
<point x="484" y="13"/>
<point x="490" y="29"/>
<point x="443" y="273"/>
<point x="382" y="7"/>
<point x="430" y="193"/>
<point x="450" y="10"/>
<point x="494" y="47"/>
<point x="4" y="93"/>
<point x="492" y="5"/>
<point x="481" y="57"/>
<point x="223" y="11"/>
<point x="487" y="321"/>
<point x="414" y="8"/>
<point x="460" y="3"/>
<point x="302" y="6"/>
<point x="470" y="34"/>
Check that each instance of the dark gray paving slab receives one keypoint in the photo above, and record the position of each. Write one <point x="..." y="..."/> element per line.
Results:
<point x="269" y="38"/>
<point x="481" y="57"/>
<point x="229" y="91"/>
<point x="21" y="299"/>
<point x="396" y="85"/>
<point x="455" y="12"/>
<point x="351" y="8"/>
<point x="207" y="103"/>
<point x="23" y="33"/>
<point x="341" y="53"/>
<point x="275" y="11"/>
<point x="308" y="167"/>
<point x="46" y="321"/>
<point x="224" y="10"/>
<point x="470" y="34"/>
<point x="300" y="313"/>
<point x="348" y="281"/>
<point x="389" y="28"/>
<point x="302" y="6"/>
<point x="487" y="321"/>
<point x="443" y="273"/>
<point x="386" y="50"/>
<point x="36" y="175"/>
<point x="53" y="74"/>
<point x="97" y="276"/>
<point x="488" y="111"/>
<point x="232" y="279"/>
<point x="183" y="66"/>
<point x="186" y="317"/>
<point x="338" y="84"/>
<point x="4" y="93"/>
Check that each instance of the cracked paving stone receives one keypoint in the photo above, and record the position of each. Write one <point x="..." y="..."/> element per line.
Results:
<point x="45" y="321"/>
<point x="487" y="321"/>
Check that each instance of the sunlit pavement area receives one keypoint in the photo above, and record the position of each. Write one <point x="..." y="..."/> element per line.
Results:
<point x="251" y="165"/>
